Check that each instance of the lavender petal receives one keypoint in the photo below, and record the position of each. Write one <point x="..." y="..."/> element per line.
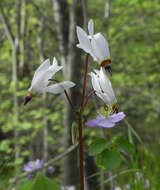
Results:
<point x="116" y="117"/>
<point x="106" y="123"/>
<point x="100" y="121"/>
<point x="39" y="164"/>
<point x="51" y="169"/>
<point x="109" y="122"/>
<point x="33" y="165"/>
<point x="95" y="122"/>
<point x="28" y="168"/>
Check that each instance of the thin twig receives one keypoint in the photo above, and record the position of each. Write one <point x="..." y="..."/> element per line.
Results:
<point x="70" y="102"/>
<point x="67" y="96"/>
<point x="87" y="99"/>
<point x="6" y="26"/>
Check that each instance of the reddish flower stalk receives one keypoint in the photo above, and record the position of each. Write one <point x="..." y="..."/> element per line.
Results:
<point x="67" y="96"/>
<point x="69" y="100"/>
<point x="87" y="99"/>
<point x="80" y="151"/>
<point x="79" y="120"/>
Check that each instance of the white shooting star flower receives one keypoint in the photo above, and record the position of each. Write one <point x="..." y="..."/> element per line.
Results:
<point x="103" y="88"/>
<point x="108" y="115"/>
<point x="94" y="44"/>
<point x="84" y="42"/>
<point x="40" y="81"/>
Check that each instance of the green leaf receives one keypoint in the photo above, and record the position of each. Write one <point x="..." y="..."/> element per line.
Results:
<point x="42" y="182"/>
<point x="133" y="131"/>
<point x="97" y="146"/>
<point x="27" y="186"/>
<point x="24" y="184"/>
<point x="125" y="145"/>
<point x="109" y="159"/>
<point x="4" y="145"/>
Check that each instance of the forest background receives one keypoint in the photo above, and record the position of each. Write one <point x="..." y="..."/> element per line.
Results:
<point x="31" y="31"/>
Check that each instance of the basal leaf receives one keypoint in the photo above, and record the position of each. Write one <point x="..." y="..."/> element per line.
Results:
<point x="125" y="145"/>
<point x="97" y="146"/>
<point x="109" y="159"/>
<point x="42" y="182"/>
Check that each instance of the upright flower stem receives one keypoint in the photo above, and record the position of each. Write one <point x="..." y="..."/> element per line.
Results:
<point x="80" y="151"/>
<point x="79" y="119"/>
<point x="80" y="127"/>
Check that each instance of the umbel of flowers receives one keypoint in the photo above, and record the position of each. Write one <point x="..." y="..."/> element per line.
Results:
<point x="96" y="46"/>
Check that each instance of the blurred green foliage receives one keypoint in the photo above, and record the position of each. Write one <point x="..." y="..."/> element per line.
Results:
<point x="133" y="30"/>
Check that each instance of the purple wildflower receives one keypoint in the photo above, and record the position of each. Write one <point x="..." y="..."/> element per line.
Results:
<point x="33" y="165"/>
<point x="51" y="169"/>
<point x="102" y="121"/>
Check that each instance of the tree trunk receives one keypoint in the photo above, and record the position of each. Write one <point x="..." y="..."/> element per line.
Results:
<point x="71" y="61"/>
<point x="40" y="43"/>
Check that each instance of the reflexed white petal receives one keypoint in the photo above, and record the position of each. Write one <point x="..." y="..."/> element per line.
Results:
<point x="43" y="74"/>
<point x="59" y="87"/>
<point x="96" y="86"/>
<point x="91" y="27"/>
<point x="107" y="99"/>
<point x="107" y="86"/>
<point x="94" y="36"/>
<point x="94" y="44"/>
<point x="97" y="72"/>
<point x="95" y="82"/>
<point x="96" y="50"/>
<point x="42" y="79"/>
<point x="104" y="81"/>
<point x="50" y="73"/>
<point x="100" y="47"/>
<point x="53" y="70"/>
<point x="102" y="85"/>
<point x="55" y="63"/>
<point x="102" y="96"/>
<point x="43" y="67"/>
<point x="102" y="43"/>
<point x="83" y="40"/>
